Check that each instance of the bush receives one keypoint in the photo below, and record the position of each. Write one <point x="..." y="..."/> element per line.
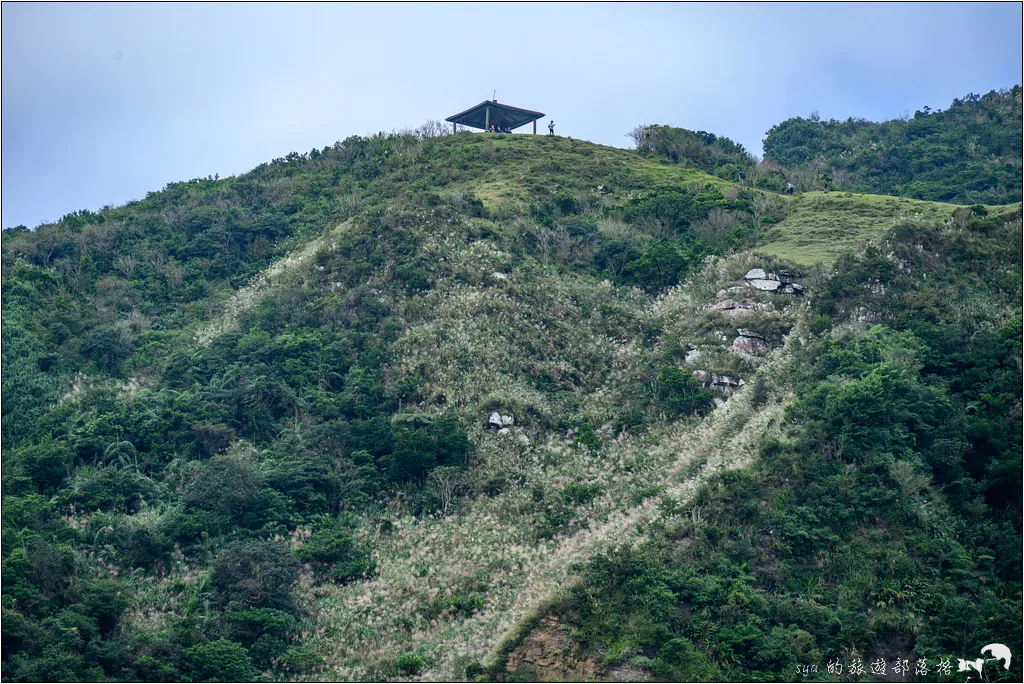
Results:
<point x="680" y="394"/>
<point x="254" y="574"/>
<point x="221" y="661"/>
<point x="334" y="547"/>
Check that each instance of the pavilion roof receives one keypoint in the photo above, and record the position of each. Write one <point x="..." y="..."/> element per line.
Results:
<point x="501" y="115"/>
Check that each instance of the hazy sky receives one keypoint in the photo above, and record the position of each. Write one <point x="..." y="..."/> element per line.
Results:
<point x="104" y="102"/>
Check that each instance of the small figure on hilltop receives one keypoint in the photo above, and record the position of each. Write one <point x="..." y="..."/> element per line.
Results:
<point x="551" y="127"/>
<point x="741" y="177"/>
<point x="789" y="188"/>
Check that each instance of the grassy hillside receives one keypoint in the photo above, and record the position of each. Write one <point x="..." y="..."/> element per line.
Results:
<point x="248" y="423"/>
<point x="821" y="226"/>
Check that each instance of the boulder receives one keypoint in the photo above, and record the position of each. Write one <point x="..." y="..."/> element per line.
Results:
<point x="755" y="274"/>
<point x="749" y="346"/>
<point x="764" y="285"/>
<point x="499" y="420"/>
<point x="731" y="305"/>
<point x="723" y="384"/>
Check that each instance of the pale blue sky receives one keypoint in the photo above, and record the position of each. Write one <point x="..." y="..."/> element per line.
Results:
<point x="104" y="102"/>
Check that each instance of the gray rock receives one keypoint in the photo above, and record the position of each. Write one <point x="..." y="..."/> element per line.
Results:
<point x="765" y="285"/>
<point x="692" y="355"/>
<point x="749" y="333"/>
<point x="731" y="305"/>
<point x="499" y="421"/>
<point x="755" y="274"/>
<point x="523" y="439"/>
<point x="749" y="346"/>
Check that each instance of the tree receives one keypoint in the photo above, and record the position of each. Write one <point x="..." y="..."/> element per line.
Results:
<point x="257" y="574"/>
<point x="221" y="661"/>
<point x="444" y="482"/>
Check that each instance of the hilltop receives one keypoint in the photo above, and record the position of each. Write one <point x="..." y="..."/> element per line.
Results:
<point x="488" y="406"/>
<point x="969" y="154"/>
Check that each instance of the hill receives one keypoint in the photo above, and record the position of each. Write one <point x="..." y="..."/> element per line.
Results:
<point x="407" y="406"/>
<point x="968" y="154"/>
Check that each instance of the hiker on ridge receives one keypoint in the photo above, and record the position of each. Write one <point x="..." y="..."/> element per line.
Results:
<point x="551" y="127"/>
<point x="789" y="188"/>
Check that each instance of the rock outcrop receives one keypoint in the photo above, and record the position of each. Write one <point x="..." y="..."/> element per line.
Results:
<point x="499" y="421"/>
<point x="781" y="282"/>
<point x="749" y="343"/>
<point x="724" y="384"/>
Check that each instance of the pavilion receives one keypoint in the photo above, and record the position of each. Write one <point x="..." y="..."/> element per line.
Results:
<point x="492" y="113"/>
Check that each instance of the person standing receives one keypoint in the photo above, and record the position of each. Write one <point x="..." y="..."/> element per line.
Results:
<point x="551" y="127"/>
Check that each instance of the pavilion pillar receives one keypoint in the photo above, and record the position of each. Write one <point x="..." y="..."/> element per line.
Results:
<point x="453" y="127"/>
<point x="487" y="118"/>
<point x="535" y="127"/>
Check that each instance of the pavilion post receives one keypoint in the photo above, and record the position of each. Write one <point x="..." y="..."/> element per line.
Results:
<point x="453" y="127"/>
<point x="487" y="118"/>
<point x="535" y="127"/>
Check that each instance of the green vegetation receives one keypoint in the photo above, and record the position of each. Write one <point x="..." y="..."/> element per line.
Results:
<point x="968" y="154"/>
<point x="820" y="226"/>
<point x="885" y="519"/>
<point x="247" y="421"/>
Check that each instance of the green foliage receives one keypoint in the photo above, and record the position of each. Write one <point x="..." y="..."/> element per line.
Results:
<point x="680" y="394"/>
<point x="221" y="661"/>
<point x="178" y="397"/>
<point x="408" y="665"/>
<point x="969" y="153"/>
<point x="868" y="523"/>
<point x="341" y="557"/>
<point x="717" y="155"/>
<point x="254" y="574"/>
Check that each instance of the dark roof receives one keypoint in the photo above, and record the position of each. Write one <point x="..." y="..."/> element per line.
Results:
<point x="502" y="115"/>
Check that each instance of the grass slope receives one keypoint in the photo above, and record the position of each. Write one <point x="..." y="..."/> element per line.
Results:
<point x="820" y="226"/>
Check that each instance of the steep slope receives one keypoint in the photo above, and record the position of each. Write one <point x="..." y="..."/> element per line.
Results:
<point x="360" y="413"/>
<point x="879" y="523"/>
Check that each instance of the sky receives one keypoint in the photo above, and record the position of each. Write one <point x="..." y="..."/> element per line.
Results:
<point x="105" y="102"/>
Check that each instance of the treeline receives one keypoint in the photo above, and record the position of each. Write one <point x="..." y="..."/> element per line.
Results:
<point x="968" y="154"/>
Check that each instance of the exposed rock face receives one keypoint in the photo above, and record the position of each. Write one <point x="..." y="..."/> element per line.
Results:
<point x="499" y="421"/>
<point x="749" y="343"/>
<point x="781" y="282"/>
<point x="548" y="655"/>
<point x="764" y="284"/>
<point x="719" y="383"/>
<point x="732" y="305"/>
